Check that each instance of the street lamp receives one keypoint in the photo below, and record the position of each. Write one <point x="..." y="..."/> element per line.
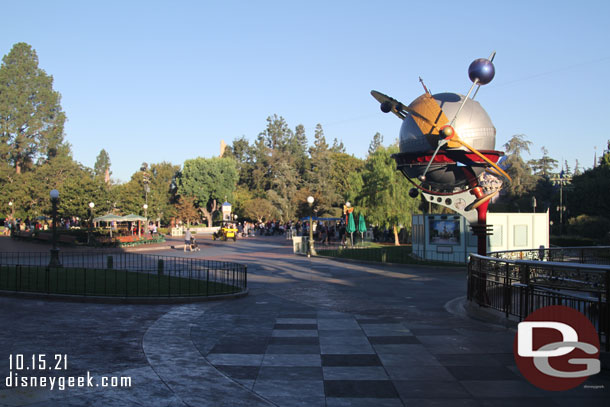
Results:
<point x="145" y="206"/>
<point x="310" y="248"/>
<point x="91" y="206"/>
<point x="10" y="225"/>
<point x="54" y="262"/>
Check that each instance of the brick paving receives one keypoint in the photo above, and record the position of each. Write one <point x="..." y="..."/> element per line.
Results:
<point x="312" y="332"/>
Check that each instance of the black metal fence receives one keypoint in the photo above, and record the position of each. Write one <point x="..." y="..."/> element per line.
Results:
<point x="584" y="254"/>
<point x="519" y="287"/>
<point x="120" y="275"/>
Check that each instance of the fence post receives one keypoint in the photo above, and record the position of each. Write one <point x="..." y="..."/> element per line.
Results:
<point x="607" y="313"/>
<point x="109" y="262"/>
<point x="526" y="276"/>
<point x="507" y="290"/>
<point x="160" y="267"/>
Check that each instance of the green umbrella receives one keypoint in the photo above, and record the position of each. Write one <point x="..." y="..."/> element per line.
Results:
<point x="361" y="227"/>
<point x="361" y="224"/>
<point x="351" y="227"/>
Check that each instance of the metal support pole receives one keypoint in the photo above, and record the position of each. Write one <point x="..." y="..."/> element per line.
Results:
<point x="54" y="262"/>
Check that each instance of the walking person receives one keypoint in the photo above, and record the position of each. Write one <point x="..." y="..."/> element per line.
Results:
<point x="187" y="240"/>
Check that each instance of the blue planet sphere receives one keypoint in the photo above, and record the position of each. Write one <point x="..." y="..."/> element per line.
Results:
<point x="481" y="69"/>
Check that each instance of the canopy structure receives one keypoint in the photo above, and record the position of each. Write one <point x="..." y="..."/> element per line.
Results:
<point x="110" y="217"/>
<point x="133" y="218"/>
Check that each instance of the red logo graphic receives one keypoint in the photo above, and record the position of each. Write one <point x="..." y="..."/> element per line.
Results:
<point x="556" y="348"/>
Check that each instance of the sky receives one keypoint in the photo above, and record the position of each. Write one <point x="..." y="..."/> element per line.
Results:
<point x="152" y="81"/>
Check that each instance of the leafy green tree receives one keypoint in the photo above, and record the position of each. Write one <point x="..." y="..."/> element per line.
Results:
<point x="384" y="197"/>
<point x="161" y="197"/>
<point x="31" y="117"/>
<point x="259" y="209"/>
<point x="186" y="211"/>
<point x="210" y="181"/>
<point x="346" y="176"/>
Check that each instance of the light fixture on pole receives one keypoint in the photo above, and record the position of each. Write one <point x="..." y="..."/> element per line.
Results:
<point x="310" y="248"/>
<point x="54" y="262"/>
<point x="91" y="206"/>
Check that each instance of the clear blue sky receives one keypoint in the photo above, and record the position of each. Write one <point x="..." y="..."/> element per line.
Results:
<point x="167" y="80"/>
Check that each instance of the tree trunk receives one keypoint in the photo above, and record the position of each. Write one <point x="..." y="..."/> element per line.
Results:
<point x="208" y="216"/>
<point x="396" y="240"/>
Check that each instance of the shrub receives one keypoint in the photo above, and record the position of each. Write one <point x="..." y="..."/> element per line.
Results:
<point x="595" y="227"/>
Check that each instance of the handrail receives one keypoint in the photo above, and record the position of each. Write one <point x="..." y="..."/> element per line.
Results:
<point x="596" y="268"/>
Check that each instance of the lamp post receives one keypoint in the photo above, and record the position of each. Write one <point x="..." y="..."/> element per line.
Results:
<point x="310" y="248"/>
<point x="91" y="206"/>
<point x="54" y="262"/>
<point x="10" y="221"/>
<point x="145" y="206"/>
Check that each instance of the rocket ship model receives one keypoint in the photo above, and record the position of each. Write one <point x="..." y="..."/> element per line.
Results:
<point x="447" y="144"/>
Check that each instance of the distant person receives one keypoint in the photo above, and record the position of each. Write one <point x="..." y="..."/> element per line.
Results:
<point x="187" y="240"/>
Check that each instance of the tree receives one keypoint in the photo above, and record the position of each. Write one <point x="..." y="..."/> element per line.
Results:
<point x="544" y="166"/>
<point x="522" y="179"/>
<point x="259" y="209"/>
<point x="593" y="187"/>
<point x="162" y="191"/>
<point x="346" y="176"/>
<point x="375" y="143"/>
<point x="320" y="180"/>
<point x="31" y="117"/>
<point x="210" y="181"/>
<point x="102" y="166"/>
<point x="384" y="197"/>
<point x="186" y="210"/>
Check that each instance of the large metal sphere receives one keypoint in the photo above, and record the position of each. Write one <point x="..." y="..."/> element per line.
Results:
<point x="473" y="125"/>
<point x="481" y="69"/>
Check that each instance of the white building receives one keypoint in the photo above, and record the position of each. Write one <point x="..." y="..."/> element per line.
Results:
<point x="449" y="238"/>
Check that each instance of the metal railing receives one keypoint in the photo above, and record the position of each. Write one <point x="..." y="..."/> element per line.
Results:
<point x="519" y="287"/>
<point x="584" y="254"/>
<point x="120" y="275"/>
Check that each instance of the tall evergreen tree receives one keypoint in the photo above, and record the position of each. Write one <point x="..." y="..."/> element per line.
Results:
<point x="375" y="143"/>
<point x="102" y="164"/>
<point x="31" y="117"/>
<point x="522" y="179"/>
<point x="544" y="166"/>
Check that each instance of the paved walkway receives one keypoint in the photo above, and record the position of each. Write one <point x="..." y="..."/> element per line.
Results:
<point x="312" y="332"/>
